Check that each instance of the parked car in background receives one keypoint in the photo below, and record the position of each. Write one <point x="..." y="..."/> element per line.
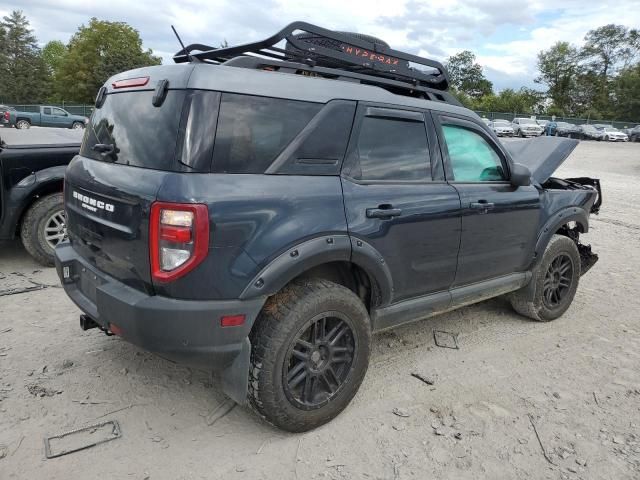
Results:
<point x="543" y="124"/>
<point x="612" y="134"/>
<point x="502" y="128"/>
<point x="486" y="121"/>
<point x="565" y="129"/>
<point x="526" y="127"/>
<point x="46" y="117"/>
<point x="4" y="115"/>
<point x="634" y="134"/>
<point x="589" y="132"/>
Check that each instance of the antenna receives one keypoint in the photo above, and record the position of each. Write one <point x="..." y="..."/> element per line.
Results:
<point x="182" y="44"/>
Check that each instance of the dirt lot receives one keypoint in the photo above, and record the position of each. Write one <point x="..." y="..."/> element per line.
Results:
<point x="576" y="379"/>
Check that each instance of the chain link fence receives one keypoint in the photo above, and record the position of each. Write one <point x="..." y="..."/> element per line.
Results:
<point x="573" y="120"/>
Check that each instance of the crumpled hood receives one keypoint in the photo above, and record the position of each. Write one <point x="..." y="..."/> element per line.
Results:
<point x="542" y="155"/>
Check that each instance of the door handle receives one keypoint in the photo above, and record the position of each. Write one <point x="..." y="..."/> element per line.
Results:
<point x="384" y="212"/>
<point x="481" y="205"/>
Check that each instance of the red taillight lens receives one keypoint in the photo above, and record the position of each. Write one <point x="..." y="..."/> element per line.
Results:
<point x="178" y="239"/>
<point x="6" y="115"/>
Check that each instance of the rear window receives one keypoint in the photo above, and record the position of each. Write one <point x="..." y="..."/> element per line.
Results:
<point x="252" y="131"/>
<point x="129" y="130"/>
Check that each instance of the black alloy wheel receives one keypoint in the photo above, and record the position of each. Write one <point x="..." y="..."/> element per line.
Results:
<point x="319" y="361"/>
<point x="557" y="281"/>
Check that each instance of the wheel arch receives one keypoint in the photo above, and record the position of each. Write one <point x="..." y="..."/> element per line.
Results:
<point x="556" y="224"/>
<point x="332" y="257"/>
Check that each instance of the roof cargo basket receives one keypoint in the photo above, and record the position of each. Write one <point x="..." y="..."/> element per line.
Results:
<point x="312" y="50"/>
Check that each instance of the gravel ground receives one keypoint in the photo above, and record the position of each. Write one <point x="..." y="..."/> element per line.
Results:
<point x="577" y="380"/>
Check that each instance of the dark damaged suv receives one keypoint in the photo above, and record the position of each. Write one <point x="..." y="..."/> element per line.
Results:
<point x="261" y="210"/>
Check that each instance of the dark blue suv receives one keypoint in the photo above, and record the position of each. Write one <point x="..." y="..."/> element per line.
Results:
<point x="264" y="216"/>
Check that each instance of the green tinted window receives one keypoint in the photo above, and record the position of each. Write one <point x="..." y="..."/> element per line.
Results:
<point x="472" y="158"/>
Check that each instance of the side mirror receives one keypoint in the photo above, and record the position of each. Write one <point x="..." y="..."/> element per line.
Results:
<point x="520" y="175"/>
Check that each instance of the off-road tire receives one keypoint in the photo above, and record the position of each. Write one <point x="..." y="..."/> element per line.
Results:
<point x="531" y="304"/>
<point x="32" y="228"/>
<point x="281" y="320"/>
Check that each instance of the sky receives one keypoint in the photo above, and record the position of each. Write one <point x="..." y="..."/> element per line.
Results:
<point x="505" y="35"/>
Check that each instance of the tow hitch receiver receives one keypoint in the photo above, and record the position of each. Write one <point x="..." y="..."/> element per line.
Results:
<point x="87" y="322"/>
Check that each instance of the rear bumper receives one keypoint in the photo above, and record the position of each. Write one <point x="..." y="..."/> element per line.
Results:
<point x="185" y="331"/>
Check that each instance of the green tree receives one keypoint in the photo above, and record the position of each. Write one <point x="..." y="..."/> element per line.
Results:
<point x="466" y="75"/>
<point x="610" y="47"/>
<point x="95" y="53"/>
<point x="607" y="49"/>
<point x="524" y="100"/>
<point x="53" y="54"/>
<point x="558" y="68"/>
<point x="23" y="74"/>
<point x="627" y="94"/>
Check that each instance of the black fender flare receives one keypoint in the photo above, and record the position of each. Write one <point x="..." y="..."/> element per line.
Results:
<point x="20" y="197"/>
<point x="318" y="251"/>
<point x="551" y="226"/>
<point x="557" y="220"/>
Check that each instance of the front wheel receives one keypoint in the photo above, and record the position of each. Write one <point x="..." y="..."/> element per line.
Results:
<point x="23" y="124"/>
<point x="43" y="227"/>
<point x="555" y="282"/>
<point x="310" y="353"/>
<point x="77" y="125"/>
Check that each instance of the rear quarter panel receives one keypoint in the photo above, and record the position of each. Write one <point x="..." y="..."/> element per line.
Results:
<point x="253" y="219"/>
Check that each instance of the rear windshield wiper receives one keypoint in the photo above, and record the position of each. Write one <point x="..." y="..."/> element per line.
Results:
<point x="104" y="149"/>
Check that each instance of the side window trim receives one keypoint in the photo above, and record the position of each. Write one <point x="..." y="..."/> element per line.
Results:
<point x="441" y="118"/>
<point x="367" y="109"/>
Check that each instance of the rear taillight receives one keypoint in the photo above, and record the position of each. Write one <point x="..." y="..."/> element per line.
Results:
<point x="178" y="239"/>
<point x="6" y="115"/>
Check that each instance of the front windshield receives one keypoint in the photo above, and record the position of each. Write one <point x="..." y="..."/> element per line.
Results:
<point x="611" y="129"/>
<point x="501" y="123"/>
<point x="527" y="121"/>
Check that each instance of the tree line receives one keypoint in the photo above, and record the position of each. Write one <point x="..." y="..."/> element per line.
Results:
<point x="600" y="79"/>
<point x="71" y="72"/>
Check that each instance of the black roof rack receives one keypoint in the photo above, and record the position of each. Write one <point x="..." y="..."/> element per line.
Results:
<point x="312" y="50"/>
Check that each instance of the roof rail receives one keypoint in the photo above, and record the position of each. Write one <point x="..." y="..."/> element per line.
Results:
<point x="312" y="50"/>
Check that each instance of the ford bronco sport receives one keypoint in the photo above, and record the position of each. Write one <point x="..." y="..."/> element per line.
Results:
<point x="261" y="211"/>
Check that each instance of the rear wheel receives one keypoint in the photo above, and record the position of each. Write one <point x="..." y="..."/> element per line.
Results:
<point x="23" y="124"/>
<point x="555" y="282"/>
<point x="43" y="227"/>
<point x="310" y="352"/>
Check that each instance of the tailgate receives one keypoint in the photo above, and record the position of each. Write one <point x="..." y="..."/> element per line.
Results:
<point x="107" y="207"/>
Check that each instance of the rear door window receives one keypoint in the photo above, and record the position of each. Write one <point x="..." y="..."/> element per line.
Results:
<point x="252" y="131"/>
<point x="391" y="149"/>
<point x="129" y="130"/>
